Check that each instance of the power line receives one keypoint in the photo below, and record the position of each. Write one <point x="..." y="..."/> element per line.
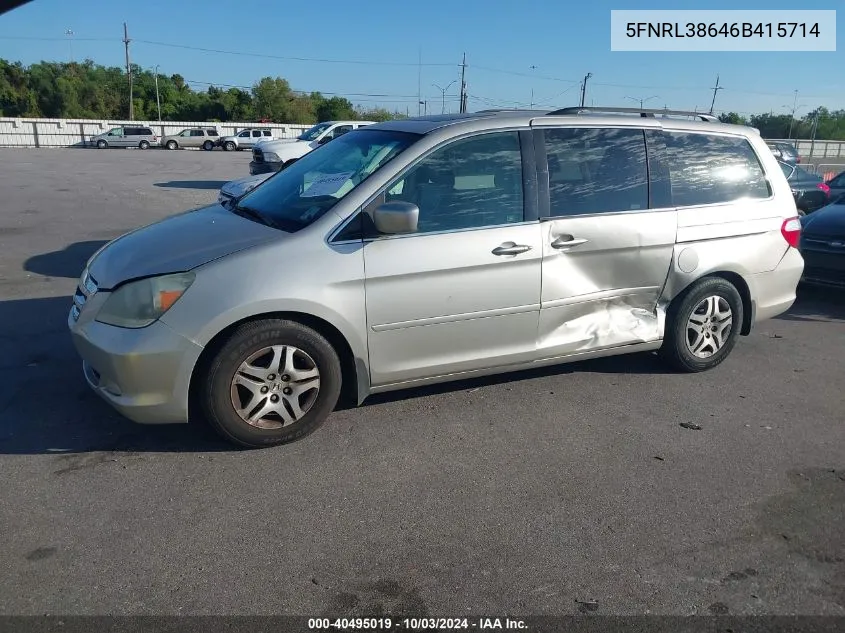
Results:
<point x="291" y="58"/>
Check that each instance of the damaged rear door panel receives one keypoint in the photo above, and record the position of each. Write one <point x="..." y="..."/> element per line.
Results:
<point x="606" y="253"/>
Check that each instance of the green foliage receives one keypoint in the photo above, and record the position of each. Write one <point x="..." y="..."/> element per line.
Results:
<point x="732" y="117"/>
<point x="89" y="91"/>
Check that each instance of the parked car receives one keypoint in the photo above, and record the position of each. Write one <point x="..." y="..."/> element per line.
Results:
<point x="823" y="245"/>
<point x="233" y="190"/>
<point x="204" y="137"/>
<point x="125" y="136"/>
<point x="272" y="156"/>
<point x="784" y="152"/>
<point x="837" y="186"/>
<point x="808" y="190"/>
<point x="245" y="139"/>
<point x="426" y="250"/>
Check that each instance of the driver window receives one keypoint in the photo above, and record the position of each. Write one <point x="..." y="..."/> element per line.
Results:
<point x="185" y="133"/>
<point x="244" y="134"/>
<point x="116" y="132"/>
<point x="471" y="183"/>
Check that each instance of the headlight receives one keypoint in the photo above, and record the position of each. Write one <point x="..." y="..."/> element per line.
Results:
<point x="140" y="303"/>
<point x="271" y="157"/>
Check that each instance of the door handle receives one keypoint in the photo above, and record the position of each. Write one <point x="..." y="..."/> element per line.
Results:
<point x="511" y="248"/>
<point x="565" y="242"/>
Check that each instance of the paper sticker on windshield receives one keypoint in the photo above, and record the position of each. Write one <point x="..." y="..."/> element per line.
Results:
<point x="326" y="184"/>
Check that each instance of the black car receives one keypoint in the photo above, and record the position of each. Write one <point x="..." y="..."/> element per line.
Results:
<point x="784" y="152"/>
<point x="823" y="245"/>
<point x="837" y="186"/>
<point x="809" y="190"/>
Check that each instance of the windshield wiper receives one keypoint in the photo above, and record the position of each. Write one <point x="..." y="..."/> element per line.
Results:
<point x="249" y="212"/>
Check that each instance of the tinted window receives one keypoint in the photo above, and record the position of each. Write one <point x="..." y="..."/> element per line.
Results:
<point x="146" y="131"/>
<point x="470" y="183"/>
<point x="596" y="170"/>
<point x="709" y="169"/>
<point x="196" y="133"/>
<point x="243" y="134"/>
<point x="266" y="132"/>
<point x="211" y="132"/>
<point x="786" y="169"/>
<point x="256" y="133"/>
<point x="131" y="131"/>
<point x="838" y="181"/>
<point x="303" y="192"/>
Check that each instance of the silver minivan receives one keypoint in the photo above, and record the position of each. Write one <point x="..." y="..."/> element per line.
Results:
<point x="438" y="248"/>
<point x="139" y="136"/>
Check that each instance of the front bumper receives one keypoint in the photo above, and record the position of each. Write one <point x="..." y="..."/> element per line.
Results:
<point x="144" y="373"/>
<point x="263" y="168"/>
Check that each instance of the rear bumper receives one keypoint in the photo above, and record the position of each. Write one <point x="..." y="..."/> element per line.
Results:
<point x="263" y="168"/>
<point x="773" y="292"/>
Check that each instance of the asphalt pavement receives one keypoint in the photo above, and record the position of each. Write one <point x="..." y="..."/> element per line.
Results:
<point x="543" y="492"/>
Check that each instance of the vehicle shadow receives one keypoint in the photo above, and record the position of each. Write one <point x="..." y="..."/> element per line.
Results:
<point x="68" y="262"/>
<point x="816" y="304"/>
<point x="192" y="184"/>
<point x="46" y="407"/>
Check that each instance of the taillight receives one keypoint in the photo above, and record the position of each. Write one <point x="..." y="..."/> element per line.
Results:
<point x="791" y="231"/>
<point x="797" y="159"/>
<point x="824" y="187"/>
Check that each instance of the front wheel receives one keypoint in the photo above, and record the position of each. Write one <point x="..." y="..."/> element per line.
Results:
<point x="271" y="382"/>
<point x="172" y="145"/>
<point x="101" y="144"/>
<point x="229" y="146"/>
<point x="208" y="146"/>
<point x="703" y="326"/>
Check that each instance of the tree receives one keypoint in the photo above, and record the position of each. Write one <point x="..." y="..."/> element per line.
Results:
<point x="732" y="117"/>
<point x="334" y="109"/>
<point x="272" y="98"/>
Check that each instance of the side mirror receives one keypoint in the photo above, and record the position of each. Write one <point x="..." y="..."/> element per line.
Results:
<point x="396" y="217"/>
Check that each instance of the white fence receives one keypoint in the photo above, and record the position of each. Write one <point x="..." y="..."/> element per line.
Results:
<point x="74" y="132"/>
<point x="816" y="149"/>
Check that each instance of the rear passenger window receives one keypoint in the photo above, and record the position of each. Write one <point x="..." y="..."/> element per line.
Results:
<point x="196" y="133"/>
<point x="471" y="183"/>
<point x="596" y="170"/>
<point x="709" y="169"/>
<point x="266" y="132"/>
<point x="256" y="133"/>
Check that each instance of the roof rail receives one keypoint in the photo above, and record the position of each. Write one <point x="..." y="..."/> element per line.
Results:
<point x="646" y="113"/>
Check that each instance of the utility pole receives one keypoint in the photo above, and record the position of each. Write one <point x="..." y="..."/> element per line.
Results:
<point x="716" y="89"/>
<point x="792" y="116"/>
<point x="126" y="41"/>
<point x="463" y="107"/>
<point x="584" y="88"/>
<point x="158" y="101"/>
<point x="419" y="81"/>
<point x="813" y="136"/>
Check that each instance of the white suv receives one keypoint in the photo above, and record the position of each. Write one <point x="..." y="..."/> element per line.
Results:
<point x="245" y="139"/>
<point x="272" y="156"/>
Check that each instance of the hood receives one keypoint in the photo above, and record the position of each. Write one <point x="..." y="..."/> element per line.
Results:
<point x="239" y="187"/>
<point x="176" y="244"/>
<point x="827" y="221"/>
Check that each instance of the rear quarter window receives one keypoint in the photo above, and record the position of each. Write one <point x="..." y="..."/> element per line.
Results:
<point x="698" y="168"/>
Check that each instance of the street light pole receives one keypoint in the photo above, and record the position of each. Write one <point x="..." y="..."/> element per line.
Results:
<point x="158" y="101"/>
<point x="69" y="33"/>
<point x="443" y="94"/>
<point x="642" y="101"/>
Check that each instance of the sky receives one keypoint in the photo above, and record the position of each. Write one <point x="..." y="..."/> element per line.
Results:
<point x="517" y="53"/>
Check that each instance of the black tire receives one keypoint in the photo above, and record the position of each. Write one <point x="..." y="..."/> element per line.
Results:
<point x="208" y="146"/>
<point x="172" y="145"/>
<point x="101" y="144"/>
<point x="215" y="386"/>
<point x="144" y="145"/>
<point x="676" y="343"/>
<point x="229" y="146"/>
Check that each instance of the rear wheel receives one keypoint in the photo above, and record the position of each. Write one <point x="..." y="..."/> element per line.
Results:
<point x="172" y="145"/>
<point x="144" y="145"/>
<point x="703" y="325"/>
<point x="271" y="382"/>
<point x="101" y="144"/>
<point x="229" y="146"/>
<point x="208" y="146"/>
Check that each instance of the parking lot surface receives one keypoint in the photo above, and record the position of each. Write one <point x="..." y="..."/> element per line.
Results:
<point x="542" y="492"/>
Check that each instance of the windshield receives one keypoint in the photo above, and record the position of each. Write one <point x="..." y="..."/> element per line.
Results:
<point x="314" y="132"/>
<point x="305" y="191"/>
